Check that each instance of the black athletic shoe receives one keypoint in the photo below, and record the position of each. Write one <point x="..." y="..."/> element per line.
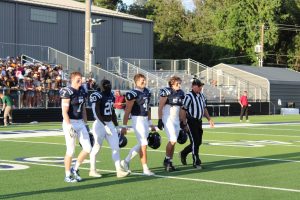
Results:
<point x="172" y="166"/>
<point x="165" y="163"/>
<point x="182" y="158"/>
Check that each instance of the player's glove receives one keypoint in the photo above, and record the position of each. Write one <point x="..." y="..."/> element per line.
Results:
<point x="107" y="129"/>
<point x="182" y="125"/>
<point x="160" y="124"/>
<point x="72" y="131"/>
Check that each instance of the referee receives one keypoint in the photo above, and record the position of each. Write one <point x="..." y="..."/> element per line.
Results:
<point x="191" y="113"/>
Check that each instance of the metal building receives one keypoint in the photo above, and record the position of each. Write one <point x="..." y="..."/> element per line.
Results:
<point x="60" y="24"/>
<point x="274" y="84"/>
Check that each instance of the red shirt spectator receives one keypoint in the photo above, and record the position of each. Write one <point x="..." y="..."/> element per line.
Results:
<point x="244" y="100"/>
<point x="120" y="100"/>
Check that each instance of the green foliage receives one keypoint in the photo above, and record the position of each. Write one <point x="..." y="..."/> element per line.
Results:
<point x="218" y="30"/>
<point x="294" y="54"/>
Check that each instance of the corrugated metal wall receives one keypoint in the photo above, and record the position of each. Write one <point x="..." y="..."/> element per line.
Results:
<point x="67" y="35"/>
<point x="286" y="92"/>
<point x="7" y="28"/>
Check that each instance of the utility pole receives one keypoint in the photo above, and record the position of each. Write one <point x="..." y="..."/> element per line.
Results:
<point x="87" y="38"/>
<point x="261" y="61"/>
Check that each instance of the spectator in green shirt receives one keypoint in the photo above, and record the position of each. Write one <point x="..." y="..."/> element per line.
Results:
<point x="7" y="105"/>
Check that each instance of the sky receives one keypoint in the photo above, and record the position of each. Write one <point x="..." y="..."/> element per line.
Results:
<point x="188" y="4"/>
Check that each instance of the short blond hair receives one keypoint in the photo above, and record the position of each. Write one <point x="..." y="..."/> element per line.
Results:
<point x="173" y="80"/>
<point x="138" y="76"/>
<point x="73" y="74"/>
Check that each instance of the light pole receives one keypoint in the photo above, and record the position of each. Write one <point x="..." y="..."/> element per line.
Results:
<point x="88" y="51"/>
<point x="87" y="37"/>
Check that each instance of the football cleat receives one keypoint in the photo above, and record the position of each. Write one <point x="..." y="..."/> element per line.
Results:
<point x="182" y="158"/>
<point x="69" y="179"/>
<point x="94" y="173"/>
<point x="165" y="163"/>
<point x="198" y="167"/>
<point x="148" y="172"/>
<point x="75" y="174"/>
<point x="121" y="173"/>
<point x="125" y="166"/>
<point x="170" y="167"/>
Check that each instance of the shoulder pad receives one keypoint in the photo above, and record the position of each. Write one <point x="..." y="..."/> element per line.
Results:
<point x="164" y="92"/>
<point x="65" y="93"/>
<point x="94" y="97"/>
<point x="131" y="95"/>
<point x="181" y="92"/>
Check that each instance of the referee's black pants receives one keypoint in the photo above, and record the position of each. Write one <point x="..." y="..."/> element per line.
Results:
<point x="195" y="135"/>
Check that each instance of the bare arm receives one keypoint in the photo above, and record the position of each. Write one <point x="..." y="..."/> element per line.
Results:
<point x="114" y="117"/>
<point x="162" y="103"/>
<point x="211" y="122"/>
<point x="84" y="115"/>
<point x="129" y="105"/>
<point x="65" y="103"/>
<point x="182" y="115"/>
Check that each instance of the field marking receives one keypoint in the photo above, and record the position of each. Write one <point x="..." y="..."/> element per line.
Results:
<point x="255" y="134"/>
<point x="266" y="128"/>
<point x="161" y="151"/>
<point x="232" y="124"/>
<point x="176" y="178"/>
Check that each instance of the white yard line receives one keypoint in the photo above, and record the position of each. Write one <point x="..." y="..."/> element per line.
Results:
<point x="256" y="134"/>
<point x="279" y="129"/>
<point x="177" y="178"/>
<point x="161" y="151"/>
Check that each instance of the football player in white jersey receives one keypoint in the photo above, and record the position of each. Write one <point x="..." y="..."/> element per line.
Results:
<point x="170" y="103"/>
<point x="104" y="127"/>
<point x="74" y="125"/>
<point x="137" y="104"/>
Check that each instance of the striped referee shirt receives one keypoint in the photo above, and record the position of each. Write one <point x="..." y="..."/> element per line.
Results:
<point x="194" y="104"/>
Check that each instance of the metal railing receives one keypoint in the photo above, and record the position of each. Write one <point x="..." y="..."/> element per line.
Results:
<point x="71" y="64"/>
<point x="53" y="56"/>
<point x="234" y="85"/>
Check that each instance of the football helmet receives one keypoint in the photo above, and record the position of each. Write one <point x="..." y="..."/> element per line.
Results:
<point x="154" y="140"/>
<point x="122" y="140"/>
<point x="182" y="137"/>
<point x="105" y="86"/>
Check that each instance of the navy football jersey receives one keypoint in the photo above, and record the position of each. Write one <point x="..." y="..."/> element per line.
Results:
<point x="77" y="100"/>
<point x="141" y="104"/>
<point x="105" y="101"/>
<point x="174" y="97"/>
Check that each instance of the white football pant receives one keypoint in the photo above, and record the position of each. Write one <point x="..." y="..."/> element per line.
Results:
<point x="82" y="135"/>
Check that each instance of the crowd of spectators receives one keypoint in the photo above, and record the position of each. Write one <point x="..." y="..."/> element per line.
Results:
<point x="34" y="84"/>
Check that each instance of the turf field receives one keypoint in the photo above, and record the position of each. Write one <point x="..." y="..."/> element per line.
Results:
<point x="256" y="160"/>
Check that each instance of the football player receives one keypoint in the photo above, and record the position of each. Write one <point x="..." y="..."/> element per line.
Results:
<point x="137" y="104"/>
<point x="104" y="127"/>
<point x="170" y="103"/>
<point x="74" y="125"/>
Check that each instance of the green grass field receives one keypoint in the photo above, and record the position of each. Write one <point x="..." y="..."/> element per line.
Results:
<point x="255" y="161"/>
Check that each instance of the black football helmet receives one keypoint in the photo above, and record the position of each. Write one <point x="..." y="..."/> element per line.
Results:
<point x="105" y="86"/>
<point x="154" y="140"/>
<point x="182" y="137"/>
<point x="122" y="140"/>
